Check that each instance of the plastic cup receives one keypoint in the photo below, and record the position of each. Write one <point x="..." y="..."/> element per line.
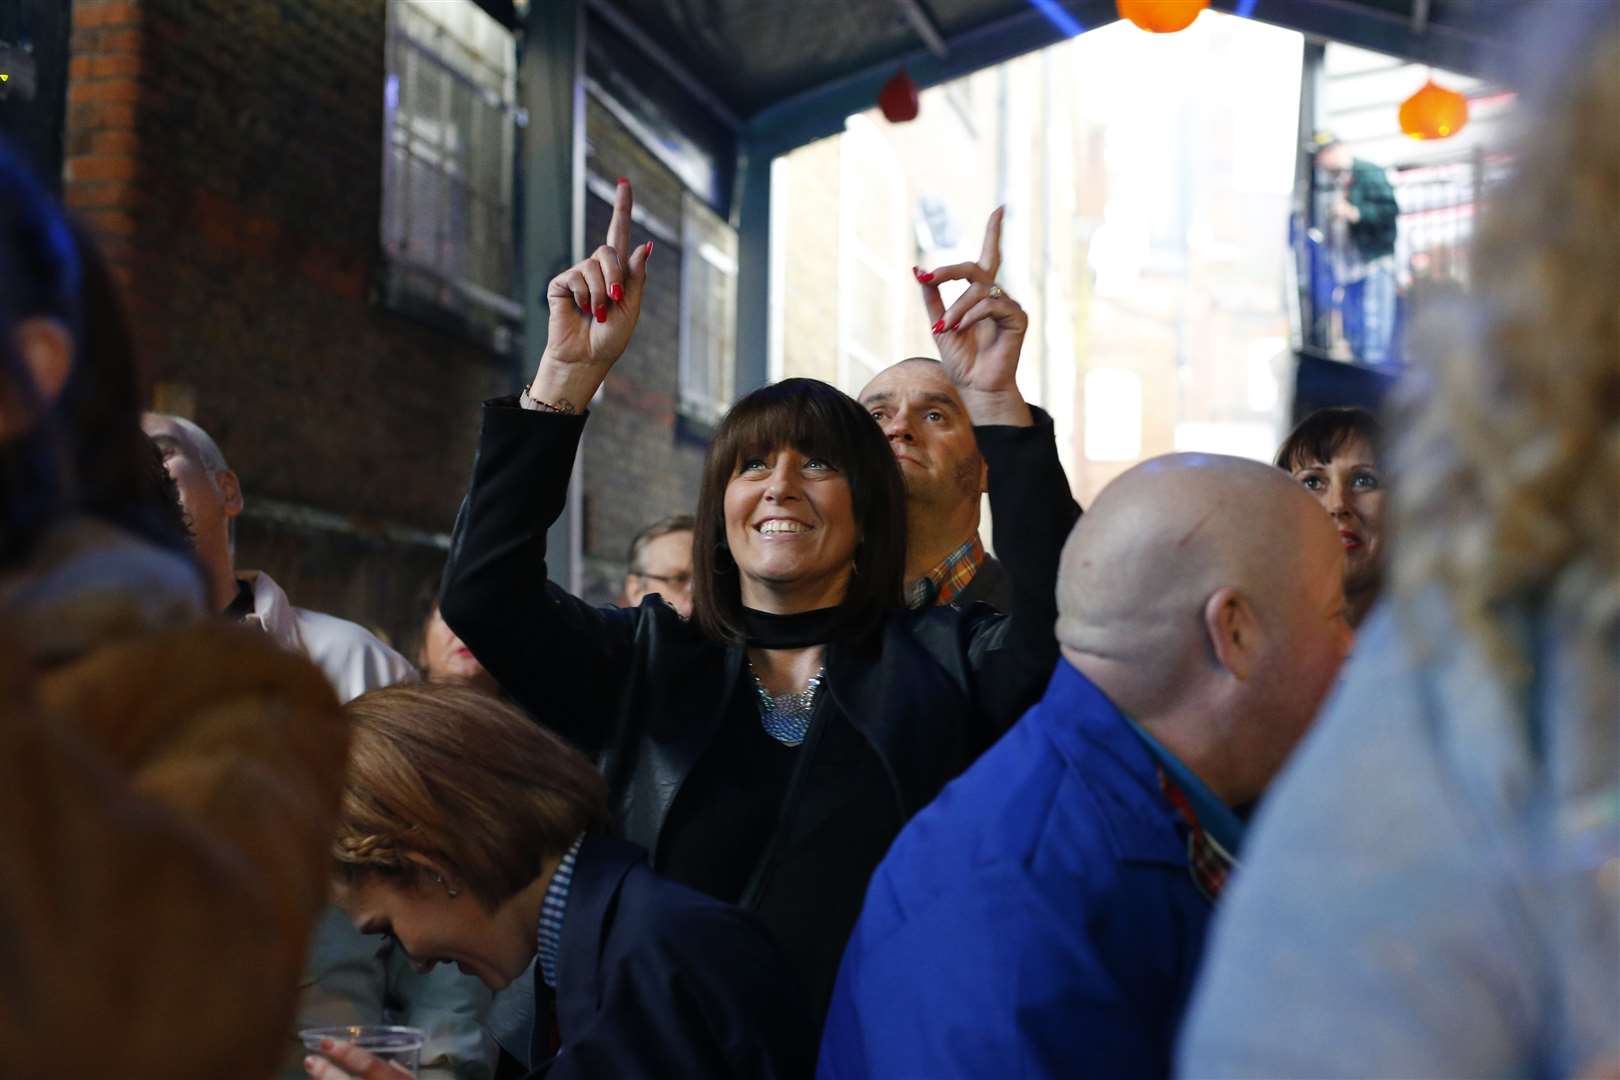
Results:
<point x="401" y="1046"/>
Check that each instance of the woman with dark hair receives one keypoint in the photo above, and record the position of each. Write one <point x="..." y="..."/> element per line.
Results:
<point x="473" y="836"/>
<point x="1334" y="453"/>
<point x="767" y="750"/>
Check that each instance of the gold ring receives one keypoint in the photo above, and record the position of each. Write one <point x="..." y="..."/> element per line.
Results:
<point x="996" y="293"/>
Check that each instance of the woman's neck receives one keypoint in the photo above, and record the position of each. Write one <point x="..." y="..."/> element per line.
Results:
<point x="1360" y="603"/>
<point x="786" y="671"/>
<point x="794" y="598"/>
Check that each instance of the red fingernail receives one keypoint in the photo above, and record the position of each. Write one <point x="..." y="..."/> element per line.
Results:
<point x="616" y="291"/>
<point x="601" y="313"/>
<point x="924" y="276"/>
<point x="939" y="326"/>
<point x="622" y="180"/>
<point x="649" y="249"/>
<point x="955" y="324"/>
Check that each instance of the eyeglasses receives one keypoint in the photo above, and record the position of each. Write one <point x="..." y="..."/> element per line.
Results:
<point x="683" y="582"/>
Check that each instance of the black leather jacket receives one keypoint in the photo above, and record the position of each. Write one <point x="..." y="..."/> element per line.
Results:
<point x="644" y="692"/>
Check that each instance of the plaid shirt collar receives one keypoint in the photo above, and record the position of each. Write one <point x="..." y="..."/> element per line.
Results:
<point x="1214" y="832"/>
<point x="946" y="581"/>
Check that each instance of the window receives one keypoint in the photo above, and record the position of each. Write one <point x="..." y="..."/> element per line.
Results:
<point x="874" y="222"/>
<point x="450" y="118"/>
<point x="708" y="312"/>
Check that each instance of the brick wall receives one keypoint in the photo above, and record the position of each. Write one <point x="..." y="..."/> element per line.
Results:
<point x="639" y="464"/>
<point x="228" y="157"/>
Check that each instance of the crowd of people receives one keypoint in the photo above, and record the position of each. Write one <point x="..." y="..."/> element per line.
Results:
<point x="833" y="791"/>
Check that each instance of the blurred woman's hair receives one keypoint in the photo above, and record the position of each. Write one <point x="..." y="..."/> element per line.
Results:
<point x="1325" y="432"/>
<point x="1509" y="445"/>
<point x="462" y="778"/>
<point x="820" y="421"/>
<point x="39" y="278"/>
<point x="86" y="451"/>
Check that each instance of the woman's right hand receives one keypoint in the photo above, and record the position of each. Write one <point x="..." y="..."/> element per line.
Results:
<point x="594" y="307"/>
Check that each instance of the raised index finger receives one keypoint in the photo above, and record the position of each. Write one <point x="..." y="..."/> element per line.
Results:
<point x="990" y="254"/>
<point x="618" y="234"/>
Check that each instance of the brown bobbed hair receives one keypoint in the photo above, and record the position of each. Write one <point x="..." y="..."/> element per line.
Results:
<point x="819" y="420"/>
<point x="465" y="779"/>
<point x="1322" y="434"/>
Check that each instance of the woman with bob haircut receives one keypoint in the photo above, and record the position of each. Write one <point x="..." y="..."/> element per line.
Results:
<point x="471" y="835"/>
<point x="766" y="751"/>
<point x="1334" y="453"/>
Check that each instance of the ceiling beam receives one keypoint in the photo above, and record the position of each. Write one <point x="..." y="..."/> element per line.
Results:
<point x="922" y="21"/>
<point x="683" y="76"/>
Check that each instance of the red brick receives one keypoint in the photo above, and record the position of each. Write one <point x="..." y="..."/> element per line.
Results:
<point x="113" y="193"/>
<point x="115" y="64"/>
<point x="109" y="141"/>
<point x="96" y="115"/>
<point x="121" y="40"/>
<point x="99" y="167"/>
<point x="108" y="225"/>
<point x="80" y="66"/>
<point x="103" y="90"/>
<point x="105" y="13"/>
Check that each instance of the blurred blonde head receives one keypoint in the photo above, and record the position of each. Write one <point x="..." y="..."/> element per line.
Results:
<point x="1509" y="449"/>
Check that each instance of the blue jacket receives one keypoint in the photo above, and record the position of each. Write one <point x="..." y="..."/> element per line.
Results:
<point x="1036" y="920"/>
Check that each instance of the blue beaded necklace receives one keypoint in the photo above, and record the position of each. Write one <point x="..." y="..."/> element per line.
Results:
<point x="787" y="718"/>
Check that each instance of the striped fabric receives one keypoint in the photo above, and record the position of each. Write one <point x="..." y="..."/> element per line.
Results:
<point x="552" y="909"/>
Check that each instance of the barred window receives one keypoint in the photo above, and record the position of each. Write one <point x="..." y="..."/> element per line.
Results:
<point x="450" y="117"/>
<point x="708" y="312"/>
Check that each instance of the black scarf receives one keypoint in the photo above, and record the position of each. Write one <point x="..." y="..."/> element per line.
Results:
<point x="768" y="631"/>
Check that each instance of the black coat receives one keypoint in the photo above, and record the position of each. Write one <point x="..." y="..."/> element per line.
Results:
<point x="644" y="692"/>
<point x="991" y="584"/>
<point x="655" y="980"/>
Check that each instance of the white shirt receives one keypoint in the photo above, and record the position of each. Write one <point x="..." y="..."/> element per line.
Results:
<point x="351" y="656"/>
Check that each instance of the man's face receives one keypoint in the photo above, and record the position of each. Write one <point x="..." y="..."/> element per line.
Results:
<point x="1334" y="158"/>
<point x="930" y="432"/>
<point x="1308" y="638"/>
<point x="208" y="500"/>
<point x="665" y="569"/>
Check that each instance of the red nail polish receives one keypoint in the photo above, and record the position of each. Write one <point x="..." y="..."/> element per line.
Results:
<point x="622" y="180"/>
<point x="939" y="326"/>
<point x="616" y="291"/>
<point x="954" y="325"/>
<point x="924" y="276"/>
<point x="601" y="313"/>
<point x="649" y="249"/>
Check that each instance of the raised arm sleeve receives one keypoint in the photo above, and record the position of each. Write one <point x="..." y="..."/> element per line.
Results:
<point x="559" y="657"/>
<point x="1032" y="513"/>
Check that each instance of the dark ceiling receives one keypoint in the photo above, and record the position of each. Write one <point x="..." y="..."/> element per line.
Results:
<point x="754" y="56"/>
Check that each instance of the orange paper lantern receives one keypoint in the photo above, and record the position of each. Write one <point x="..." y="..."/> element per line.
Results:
<point x="1434" y="112"/>
<point x="1161" y="16"/>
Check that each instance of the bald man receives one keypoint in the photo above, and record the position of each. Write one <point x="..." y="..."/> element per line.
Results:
<point x="1045" y="915"/>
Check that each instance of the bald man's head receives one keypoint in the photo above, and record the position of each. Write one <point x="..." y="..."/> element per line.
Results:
<point x="1207" y="586"/>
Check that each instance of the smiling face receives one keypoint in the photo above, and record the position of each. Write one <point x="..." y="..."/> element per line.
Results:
<point x="790" y="525"/>
<point x="434" y="927"/>
<point x="1350" y="488"/>
<point x="929" y="430"/>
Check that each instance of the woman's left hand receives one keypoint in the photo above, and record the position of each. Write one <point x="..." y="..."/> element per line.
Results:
<point x="356" y="1064"/>
<point x="980" y="335"/>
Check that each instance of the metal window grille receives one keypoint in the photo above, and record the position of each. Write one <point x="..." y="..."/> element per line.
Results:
<point x="708" y="347"/>
<point x="450" y="118"/>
